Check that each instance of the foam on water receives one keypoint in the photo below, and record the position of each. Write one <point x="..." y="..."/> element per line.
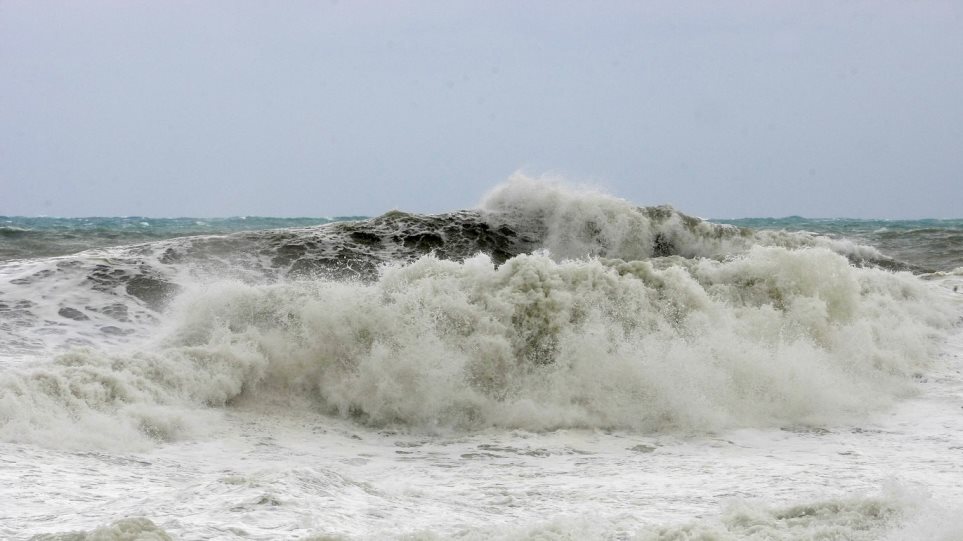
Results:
<point x="930" y="244"/>
<point x="109" y="296"/>
<point x="897" y="513"/>
<point x="573" y="222"/>
<point x="576" y="366"/>
<point x="128" y="529"/>
<point x="773" y="336"/>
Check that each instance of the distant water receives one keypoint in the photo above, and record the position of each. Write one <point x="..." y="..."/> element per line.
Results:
<point x="930" y="244"/>
<point x="555" y="364"/>
<point x="22" y="236"/>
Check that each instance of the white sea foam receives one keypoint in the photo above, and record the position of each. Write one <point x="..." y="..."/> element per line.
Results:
<point x="128" y="529"/>
<point x="110" y="296"/>
<point x="573" y="221"/>
<point x="734" y="329"/>
<point x="646" y="375"/>
<point x="770" y="337"/>
<point x="897" y="513"/>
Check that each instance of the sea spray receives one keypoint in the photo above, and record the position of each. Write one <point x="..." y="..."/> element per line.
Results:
<point x="770" y="337"/>
<point x="342" y="380"/>
<point x="117" y="295"/>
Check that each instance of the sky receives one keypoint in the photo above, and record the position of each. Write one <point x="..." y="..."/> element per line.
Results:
<point x="722" y="109"/>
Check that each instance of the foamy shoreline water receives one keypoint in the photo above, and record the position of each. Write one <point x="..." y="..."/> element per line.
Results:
<point x="267" y="474"/>
<point x="604" y="372"/>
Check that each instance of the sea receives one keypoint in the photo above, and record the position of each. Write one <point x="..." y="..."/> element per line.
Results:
<point x="553" y="364"/>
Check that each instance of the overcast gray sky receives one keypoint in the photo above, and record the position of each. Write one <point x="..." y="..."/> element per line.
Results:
<point x="722" y="109"/>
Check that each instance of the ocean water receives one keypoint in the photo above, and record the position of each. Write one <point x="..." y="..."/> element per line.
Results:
<point x="554" y="364"/>
<point x="930" y="245"/>
<point x="32" y="237"/>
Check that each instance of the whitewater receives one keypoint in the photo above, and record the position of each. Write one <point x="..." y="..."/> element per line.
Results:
<point x="555" y="364"/>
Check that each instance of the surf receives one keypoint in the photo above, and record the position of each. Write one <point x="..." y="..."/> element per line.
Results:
<point x="547" y="307"/>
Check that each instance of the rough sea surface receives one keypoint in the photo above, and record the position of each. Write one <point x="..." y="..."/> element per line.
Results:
<point x="30" y="237"/>
<point x="554" y="364"/>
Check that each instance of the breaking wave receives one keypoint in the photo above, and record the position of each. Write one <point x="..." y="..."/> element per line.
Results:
<point x="549" y="307"/>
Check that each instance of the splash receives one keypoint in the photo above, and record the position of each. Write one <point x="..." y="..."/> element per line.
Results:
<point x="581" y="311"/>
